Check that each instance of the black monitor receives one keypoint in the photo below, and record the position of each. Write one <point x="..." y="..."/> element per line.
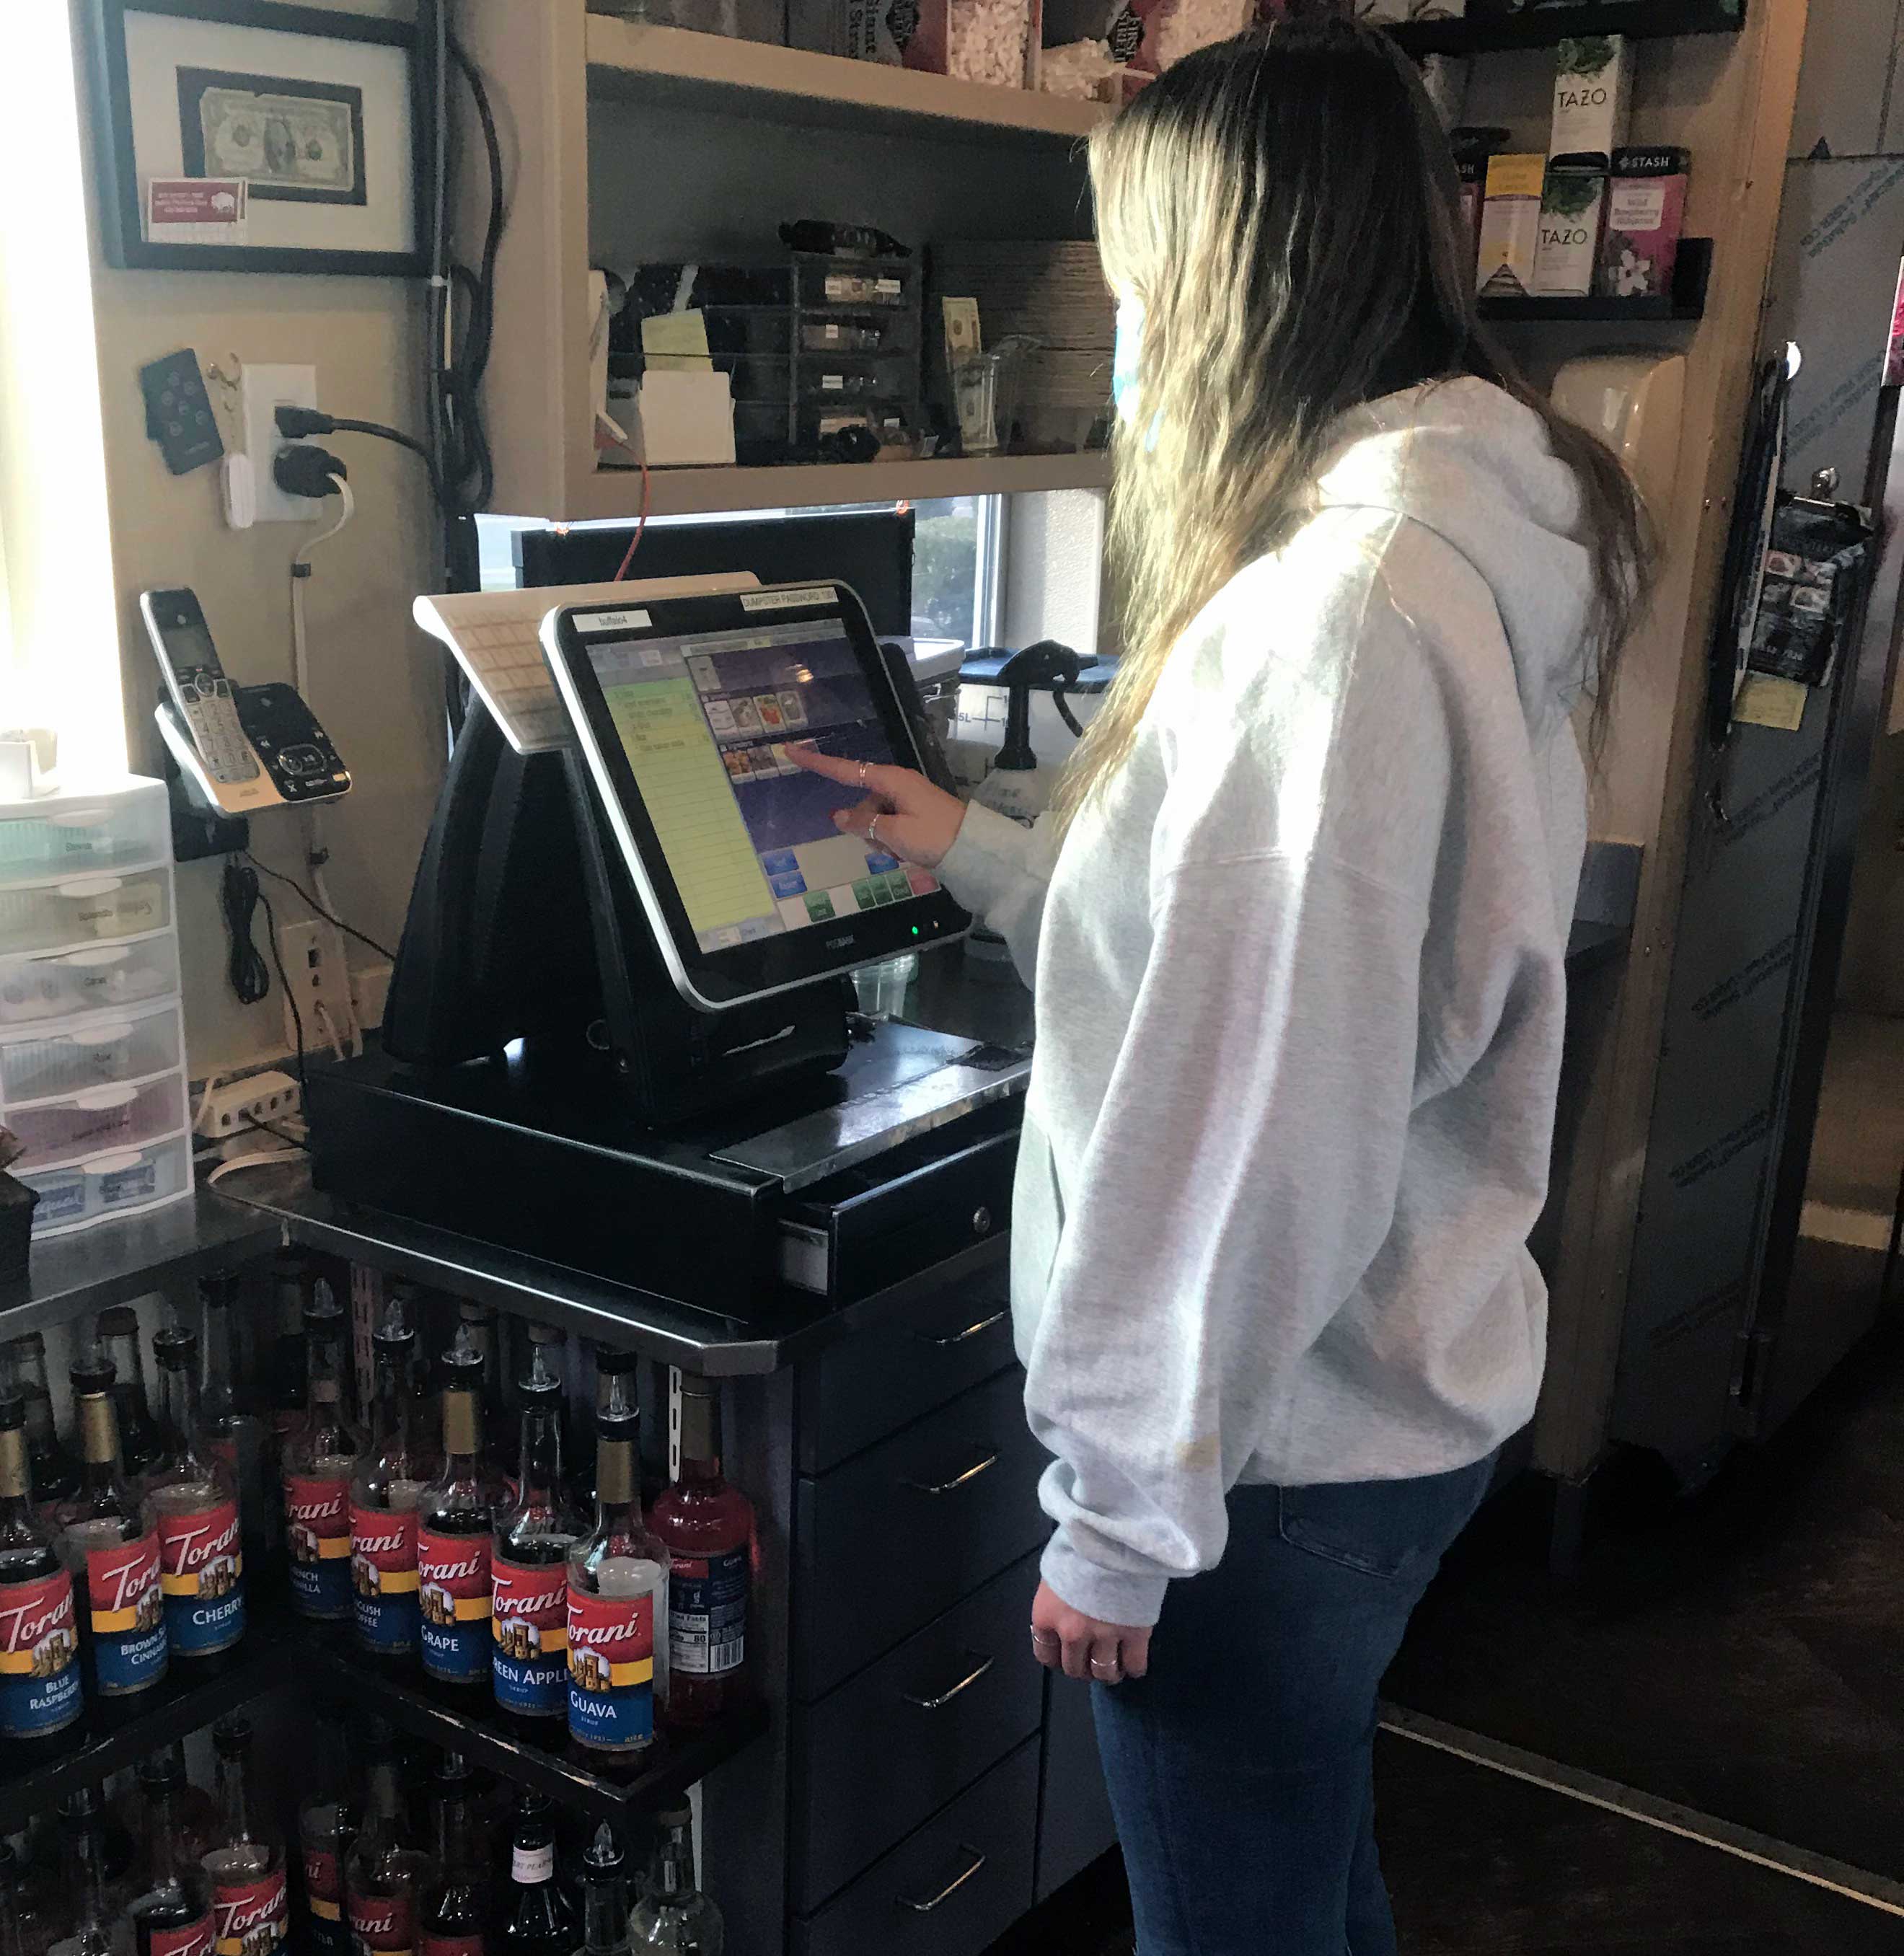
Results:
<point x="869" y="550"/>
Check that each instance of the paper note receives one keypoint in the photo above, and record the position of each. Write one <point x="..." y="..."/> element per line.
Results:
<point x="196" y="211"/>
<point x="1765" y="701"/>
<point x="677" y="341"/>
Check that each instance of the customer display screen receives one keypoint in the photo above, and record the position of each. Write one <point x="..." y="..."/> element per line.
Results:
<point x="703" y="721"/>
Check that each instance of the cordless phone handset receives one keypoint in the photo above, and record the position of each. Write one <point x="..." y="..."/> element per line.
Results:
<point x="196" y="682"/>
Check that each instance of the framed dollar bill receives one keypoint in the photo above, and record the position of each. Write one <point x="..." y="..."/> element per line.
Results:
<point x="249" y="136"/>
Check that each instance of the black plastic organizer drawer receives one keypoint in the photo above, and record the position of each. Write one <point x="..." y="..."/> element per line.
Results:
<point x="892" y="1746"/>
<point x="903" y="1531"/>
<point x="952" y="1888"/>
<point x="878" y="1380"/>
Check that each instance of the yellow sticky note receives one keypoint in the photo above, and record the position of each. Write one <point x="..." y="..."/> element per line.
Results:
<point x="1766" y="701"/>
<point x="673" y="340"/>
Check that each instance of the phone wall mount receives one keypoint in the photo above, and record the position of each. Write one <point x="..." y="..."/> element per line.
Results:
<point x="178" y="413"/>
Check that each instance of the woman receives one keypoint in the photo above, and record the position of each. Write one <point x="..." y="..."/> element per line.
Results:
<point x="1297" y="925"/>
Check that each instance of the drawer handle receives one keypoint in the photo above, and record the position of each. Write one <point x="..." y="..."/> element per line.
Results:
<point x="951" y="1887"/>
<point x="946" y="1697"/>
<point x="972" y="1473"/>
<point x="970" y="1331"/>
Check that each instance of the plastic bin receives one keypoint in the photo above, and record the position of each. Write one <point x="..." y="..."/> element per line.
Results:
<point x="110" y="975"/>
<point x="104" y="1118"/>
<point x="83" y="908"/>
<point x="112" y="1183"/>
<point x="96" y="1051"/>
<point x="83" y="838"/>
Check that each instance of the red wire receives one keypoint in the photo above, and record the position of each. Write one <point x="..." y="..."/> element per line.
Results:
<point x="641" y="529"/>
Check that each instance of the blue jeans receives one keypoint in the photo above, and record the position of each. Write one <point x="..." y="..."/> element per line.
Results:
<point x="1241" y="1769"/>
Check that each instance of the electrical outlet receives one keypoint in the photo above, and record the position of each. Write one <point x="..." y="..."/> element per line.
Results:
<point x="268" y="1097"/>
<point x="266" y="389"/>
<point x="313" y="962"/>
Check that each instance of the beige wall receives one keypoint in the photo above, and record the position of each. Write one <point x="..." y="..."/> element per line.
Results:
<point x="375" y="682"/>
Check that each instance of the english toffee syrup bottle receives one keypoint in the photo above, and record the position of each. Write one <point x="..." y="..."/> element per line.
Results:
<point x="250" y="1911"/>
<point x="55" y="1473"/>
<point x="618" y="1595"/>
<point x="708" y="1527"/>
<point x="384" y="1870"/>
<point x="173" y="1917"/>
<point x="112" y="1551"/>
<point x="193" y="1501"/>
<point x="456" y="1899"/>
<point x="453" y="1533"/>
<point x="326" y="1827"/>
<point x="39" y="1671"/>
<point x="319" y="1460"/>
<point x="394" y="1475"/>
<point x="529" y="1564"/>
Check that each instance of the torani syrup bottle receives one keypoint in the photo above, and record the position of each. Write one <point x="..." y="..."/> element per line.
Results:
<point x="384" y="1870"/>
<point x="55" y="1472"/>
<point x="480" y="1321"/>
<point x="89" y="1903"/>
<point x="394" y="1475"/>
<point x="529" y="1564"/>
<point x="326" y="1826"/>
<point x="453" y="1533"/>
<point x="119" y="1338"/>
<point x="454" y="1904"/>
<point x="319" y="1459"/>
<point x="111" y="1550"/>
<point x="618" y="1595"/>
<point x="708" y="1527"/>
<point x="672" y="1914"/>
<point x="250" y="1909"/>
<point x="173" y="1917"/>
<point x="604" y="1896"/>
<point x="192" y="1500"/>
<point x="237" y="1437"/>
<point x="39" y="1668"/>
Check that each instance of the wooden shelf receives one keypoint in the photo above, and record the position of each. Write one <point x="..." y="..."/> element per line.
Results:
<point x="1692" y="273"/>
<point x="610" y="494"/>
<point x="715" y="72"/>
<point x="1489" y="27"/>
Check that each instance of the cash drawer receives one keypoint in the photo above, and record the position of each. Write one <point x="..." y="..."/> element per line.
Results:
<point x="892" y="1746"/>
<point x="873" y="1383"/>
<point x="903" y="1531"/>
<point x="951" y="1889"/>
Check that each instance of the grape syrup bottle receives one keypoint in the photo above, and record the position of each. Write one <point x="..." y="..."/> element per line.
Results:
<point x="453" y="1534"/>
<point x="394" y="1475"/>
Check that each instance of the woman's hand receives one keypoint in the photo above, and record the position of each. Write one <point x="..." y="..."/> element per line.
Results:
<point x="1064" y="1639"/>
<point x="918" y="822"/>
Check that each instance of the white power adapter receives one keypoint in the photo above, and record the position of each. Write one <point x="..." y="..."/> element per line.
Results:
<point x="239" y="1106"/>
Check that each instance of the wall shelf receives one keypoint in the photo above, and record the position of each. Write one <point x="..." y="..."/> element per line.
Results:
<point x="1488" y="27"/>
<point x="716" y="73"/>
<point x="1692" y="273"/>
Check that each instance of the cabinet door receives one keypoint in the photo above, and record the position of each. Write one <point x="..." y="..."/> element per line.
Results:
<point x="1074" y="1821"/>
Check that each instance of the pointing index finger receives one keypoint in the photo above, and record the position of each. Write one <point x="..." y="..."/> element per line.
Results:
<point x="806" y="755"/>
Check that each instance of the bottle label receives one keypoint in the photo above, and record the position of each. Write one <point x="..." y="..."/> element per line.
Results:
<point x="383" y="1573"/>
<point x="184" y="1938"/>
<point x="449" y="1946"/>
<point x="39" y="1681"/>
<point x="317" y="1520"/>
<point x="381" y="1922"/>
<point x="530" y="1867"/>
<point x="127" y="1610"/>
<point x="529" y="1624"/>
<point x="323" y="1890"/>
<point x="708" y="1614"/>
<point x="201" y="1573"/>
<point x="611" y="1669"/>
<point x="453" y="1596"/>
<point x="251" y="1918"/>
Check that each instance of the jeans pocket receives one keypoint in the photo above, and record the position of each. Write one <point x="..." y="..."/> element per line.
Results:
<point x="1395" y="1530"/>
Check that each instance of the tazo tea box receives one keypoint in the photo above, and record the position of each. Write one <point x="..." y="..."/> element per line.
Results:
<point x="1511" y="226"/>
<point x="1571" y="210"/>
<point x="1592" y="96"/>
<point x="1646" y="207"/>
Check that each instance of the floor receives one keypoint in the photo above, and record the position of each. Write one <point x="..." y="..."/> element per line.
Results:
<point x="1732" y="1664"/>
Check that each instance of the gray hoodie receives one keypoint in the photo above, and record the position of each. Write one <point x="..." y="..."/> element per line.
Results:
<point x="1299" y="990"/>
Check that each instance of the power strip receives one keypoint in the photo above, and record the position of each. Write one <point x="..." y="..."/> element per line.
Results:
<point x="234" y="1108"/>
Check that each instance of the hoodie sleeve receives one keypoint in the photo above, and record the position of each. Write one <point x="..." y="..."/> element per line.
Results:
<point x="1001" y="872"/>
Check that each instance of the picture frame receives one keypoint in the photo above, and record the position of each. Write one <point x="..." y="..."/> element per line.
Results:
<point x="307" y="126"/>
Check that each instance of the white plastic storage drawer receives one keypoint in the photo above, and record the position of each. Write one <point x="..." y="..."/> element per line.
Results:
<point x="107" y="976"/>
<point x="105" y="1118"/>
<point x="109" y="1185"/>
<point x="101" y="1050"/>
<point x="76" y="837"/>
<point x="84" y="909"/>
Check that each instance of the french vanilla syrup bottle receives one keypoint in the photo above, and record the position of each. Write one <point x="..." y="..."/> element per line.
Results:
<point x="394" y="1475"/>
<point x="250" y="1911"/>
<point x="453" y="1533"/>
<point x="708" y="1527"/>
<point x="112" y="1551"/>
<point x="320" y="1458"/>
<point x="39" y="1678"/>
<point x="529" y="1562"/>
<point x="193" y="1501"/>
<point x="173" y="1917"/>
<point x="618" y="1595"/>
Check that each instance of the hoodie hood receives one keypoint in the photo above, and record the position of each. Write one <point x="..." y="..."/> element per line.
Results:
<point x="1470" y="462"/>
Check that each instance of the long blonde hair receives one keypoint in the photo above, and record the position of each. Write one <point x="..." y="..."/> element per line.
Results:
<point x="1285" y="208"/>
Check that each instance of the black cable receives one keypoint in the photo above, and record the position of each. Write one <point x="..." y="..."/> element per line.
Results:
<point x="290" y="996"/>
<point x="464" y="459"/>
<point x="278" y="1134"/>
<point x="349" y="930"/>
<point x="238" y="898"/>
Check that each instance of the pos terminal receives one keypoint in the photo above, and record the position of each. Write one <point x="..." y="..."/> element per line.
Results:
<point x="619" y="1034"/>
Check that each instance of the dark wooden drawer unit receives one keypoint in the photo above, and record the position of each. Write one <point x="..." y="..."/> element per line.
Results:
<point x="890" y="1747"/>
<point x="900" y="1533"/>
<point x="877" y="1381"/>
<point x="951" y="1889"/>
